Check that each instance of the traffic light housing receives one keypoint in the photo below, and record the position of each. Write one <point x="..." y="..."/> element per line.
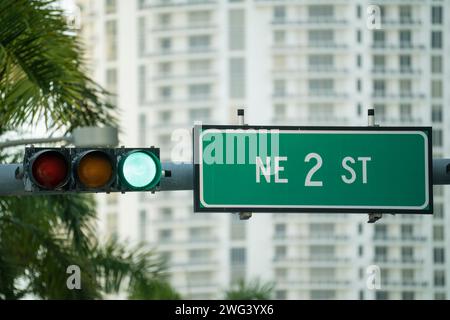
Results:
<point x="51" y="170"/>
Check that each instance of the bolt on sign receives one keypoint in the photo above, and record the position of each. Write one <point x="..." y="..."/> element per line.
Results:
<point x="313" y="169"/>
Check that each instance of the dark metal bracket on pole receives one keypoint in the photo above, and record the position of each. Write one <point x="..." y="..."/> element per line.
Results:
<point x="373" y="217"/>
<point x="240" y="114"/>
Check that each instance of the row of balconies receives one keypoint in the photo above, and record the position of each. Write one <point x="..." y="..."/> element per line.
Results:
<point x="404" y="260"/>
<point x="150" y="4"/>
<point x="399" y="238"/>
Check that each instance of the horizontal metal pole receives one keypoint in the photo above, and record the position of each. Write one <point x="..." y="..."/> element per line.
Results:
<point x="176" y="177"/>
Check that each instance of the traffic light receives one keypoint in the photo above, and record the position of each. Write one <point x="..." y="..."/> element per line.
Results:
<point x="91" y="169"/>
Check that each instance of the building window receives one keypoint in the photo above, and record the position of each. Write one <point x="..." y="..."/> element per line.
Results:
<point x="381" y="295"/>
<point x="237" y="29"/>
<point x="142" y="225"/>
<point x="320" y="12"/>
<point x="407" y="276"/>
<point x="199" y="114"/>
<point x="237" y="78"/>
<point x="164" y="20"/>
<point x="279" y="88"/>
<point x="359" y="61"/>
<point x="436" y="113"/>
<point x="279" y="13"/>
<point x="438" y="255"/>
<point x="405" y="112"/>
<point x="238" y="256"/>
<point x="438" y="210"/>
<point x="321" y="86"/>
<point x="436" y="89"/>
<point x="322" y="294"/>
<point x="199" y="43"/>
<point x="279" y="111"/>
<point x="436" y="39"/>
<point x="199" y="91"/>
<point x="379" y="62"/>
<point x="405" y="38"/>
<point x="199" y="18"/>
<point x="436" y="64"/>
<point x="280" y="295"/>
<point x="165" y="214"/>
<point x="439" y="278"/>
<point x="440" y="296"/>
<point x="436" y="15"/>
<point x="142" y="123"/>
<point x="279" y="37"/>
<point x="379" y="38"/>
<point x="438" y="233"/>
<point x="280" y="230"/>
<point x="379" y="88"/>
<point x="380" y="254"/>
<point x="165" y="235"/>
<point x="238" y="230"/>
<point x="199" y="67"/>
<point x="165" y="93"/>
<point x="110" y="6"/>
<point x="405" y="14"/>
<point x="320" y="62"/>
<point x="405" y="88"/>
<point x="111" y="40"/>
<point x="165" y="44"/>
<point x="142" y="83"/>
<point x="437" y="139"/>
<point x="405" y="63"/>
<point x="380" y="231"/>
<point x="165" y="68"/>
<point x="320" y="37"/>
<point x="408" y="295"/>
<point x="199" y="256"/>
<point x="407" y="254"/>
<point x="280" y="252"/>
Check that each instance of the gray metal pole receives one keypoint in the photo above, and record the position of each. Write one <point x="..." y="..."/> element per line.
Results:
<point x="177" y="177"/>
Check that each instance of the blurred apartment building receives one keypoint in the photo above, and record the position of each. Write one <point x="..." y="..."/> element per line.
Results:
<point x="302" y="62"/>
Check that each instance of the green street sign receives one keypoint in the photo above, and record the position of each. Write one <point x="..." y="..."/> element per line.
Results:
<point x="313" y="169"/>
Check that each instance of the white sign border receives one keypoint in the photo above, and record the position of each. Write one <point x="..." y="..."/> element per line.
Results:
<point x="427" y="186"/>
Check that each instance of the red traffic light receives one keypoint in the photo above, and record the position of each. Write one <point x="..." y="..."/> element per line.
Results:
<point x="50" y="169"/>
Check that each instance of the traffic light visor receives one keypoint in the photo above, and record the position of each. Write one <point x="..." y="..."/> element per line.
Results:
<point x="50" y="169"/>
<point x="140" y="170"/>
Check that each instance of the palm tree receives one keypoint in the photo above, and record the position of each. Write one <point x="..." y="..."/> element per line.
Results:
<point x="252" y="290"/>
<point x="42" y="80"/>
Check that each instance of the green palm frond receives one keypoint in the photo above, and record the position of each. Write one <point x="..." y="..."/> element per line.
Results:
<point x="41" y="77"/>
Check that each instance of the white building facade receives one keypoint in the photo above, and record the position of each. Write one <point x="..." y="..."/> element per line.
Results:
<point x="304" y="62"/>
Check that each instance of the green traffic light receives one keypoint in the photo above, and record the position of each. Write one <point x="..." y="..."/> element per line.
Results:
<point x="140" y="170"/>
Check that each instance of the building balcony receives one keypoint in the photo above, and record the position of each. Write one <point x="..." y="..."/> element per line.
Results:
<point x="313" y="284"/>
<point x="406" y="46"/>
<point x="381" y="96"/>
<point x="314" y="121"/>
<point x="194" y="265"/>
<point x="408" y="72"/>
<point x="382" y="238"/>
<point x="179" y="103"/>
<point x="180" y="55"/>
<point x="312" y="238"/>
<point x="410" y="262"/>
<point x="311" y="72"/>
<point x="152" y="4"/>
<point x="172" y="79"/>
<point x="392" y="284"/>
<point x="317" y="47"/>
<point x="205" y="242"/>
<point x="401" y="121"/>
<point x="185" y="29"/>
<point x="401" y="23"/>
<point x="300" y="3"/>
<point x="311" y="261"/>
<point x="325" y="22"/>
